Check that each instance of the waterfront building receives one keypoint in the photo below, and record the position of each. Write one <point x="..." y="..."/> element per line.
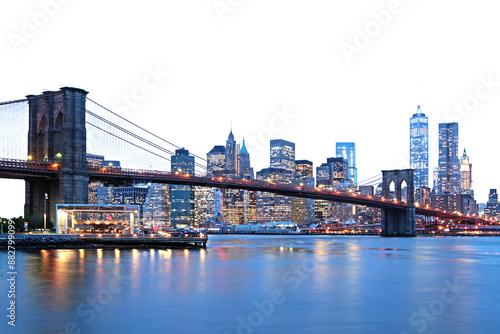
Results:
<point x="182" y="196"/>
<point x="323" y="209"/>
<point x="347" y="150"/>
<point x="450" y="202"/>
<point x="203" y="205"/>
<point x="157" y="207"/>
<point x="303" y="208"/>
<point x="419" y="148"/>
<point x="449" y="165"/>
<point x="131" y="195"/>
<point x="269" y="206"/>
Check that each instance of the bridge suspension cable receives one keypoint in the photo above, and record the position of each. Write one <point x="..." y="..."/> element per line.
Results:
<point x="141" y="128"/>
<point x="119" y="139"/>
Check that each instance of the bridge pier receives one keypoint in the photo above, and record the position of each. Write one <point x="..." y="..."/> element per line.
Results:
<point x="398" y="222"/>
<point x="57" y="134"/>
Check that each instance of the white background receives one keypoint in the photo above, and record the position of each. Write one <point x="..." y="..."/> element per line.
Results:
<point x="258" y="56"/>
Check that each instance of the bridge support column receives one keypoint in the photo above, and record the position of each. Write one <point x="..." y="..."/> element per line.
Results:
<point x="57" y="134"/>
<point x="399" y="222"/>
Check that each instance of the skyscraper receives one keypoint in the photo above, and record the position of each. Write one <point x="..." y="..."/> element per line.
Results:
<point x="491" y="209"/>
<point x="303" y="168"/>
<point x="449" y="164"/>
<point x="419" y="148"/>
<point x="347" y="150"/>
<point x="244" y="169"/>
<point x="216" y="160"/>
<point x="465" y="174"/>
<point x="303" y="208"/>
<point x="231" y="160"/>
<point x="282" y="154"/>
<point x="182" y="196"/>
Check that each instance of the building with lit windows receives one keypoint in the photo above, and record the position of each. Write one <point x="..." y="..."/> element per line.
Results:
<point x="203" y="205"/>
<point x="303" y="168"/>
<point x="231" y="159"/>
<point x="282" y="153"/>
<point x="419" y="148"/>
<point x="347" y="150"/>
<point x="491" y="208"/>
<point x="465" y="175"/>
<point x="333" y="173"/>
<point x="156" y="208"/>
<point x="132" y="195"/>
<point x="269" y="206"/>
<point x="244" y="168"/>
<point x="182" y="196"/>
<point x="448" y="164"/>
<point x="216" y="160"/>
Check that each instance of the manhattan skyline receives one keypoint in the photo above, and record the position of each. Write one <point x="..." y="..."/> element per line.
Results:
<point x="274" y="80"/>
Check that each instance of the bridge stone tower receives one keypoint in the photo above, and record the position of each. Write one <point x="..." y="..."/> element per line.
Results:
<point x="57" y="134"/>
<point x="399" y="222"/>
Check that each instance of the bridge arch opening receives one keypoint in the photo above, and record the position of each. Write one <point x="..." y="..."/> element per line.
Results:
<point x="392" y="190"/>
<point x="404" y="191"/>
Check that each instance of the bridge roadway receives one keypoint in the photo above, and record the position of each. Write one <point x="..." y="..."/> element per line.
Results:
<point x="28" y="170"/>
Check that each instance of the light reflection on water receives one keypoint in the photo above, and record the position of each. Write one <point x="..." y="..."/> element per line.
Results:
<point x="264" y="284"/>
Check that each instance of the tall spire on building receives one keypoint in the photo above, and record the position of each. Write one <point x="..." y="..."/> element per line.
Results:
<point x="243" y="149"/>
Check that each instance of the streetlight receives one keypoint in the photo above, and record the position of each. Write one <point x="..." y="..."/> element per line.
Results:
<point x="45" y="214"/>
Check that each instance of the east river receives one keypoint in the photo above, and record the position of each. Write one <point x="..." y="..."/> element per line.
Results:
<point x="262" y="284"/>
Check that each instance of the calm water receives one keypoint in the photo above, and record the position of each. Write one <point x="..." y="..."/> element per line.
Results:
<point x="263" y="284"/>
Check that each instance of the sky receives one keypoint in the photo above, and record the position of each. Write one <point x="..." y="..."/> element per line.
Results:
<point x="311" y="72"/>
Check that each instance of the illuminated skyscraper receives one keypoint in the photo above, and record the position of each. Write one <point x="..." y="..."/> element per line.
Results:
<point x="303" y="208"/>
<point x="465" y="175"/>
<point x="182" y="196"/>
<point x="419" y="148"/>
<point x="156" y="207"/>
<point x="231" y="159"/>
<point x="216" y="160"/>
<point x="491" y="209"/>
<point x="303" y="168"/>
<point x="244" y="169"/>
<point x="449" y="164"/>
<point x="347" y="150"/>
<point x="282" y="153"/>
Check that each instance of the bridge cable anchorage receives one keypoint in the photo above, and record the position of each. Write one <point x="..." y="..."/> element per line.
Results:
<point x="148" y="132"/>
<point x="158" y="147"/>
